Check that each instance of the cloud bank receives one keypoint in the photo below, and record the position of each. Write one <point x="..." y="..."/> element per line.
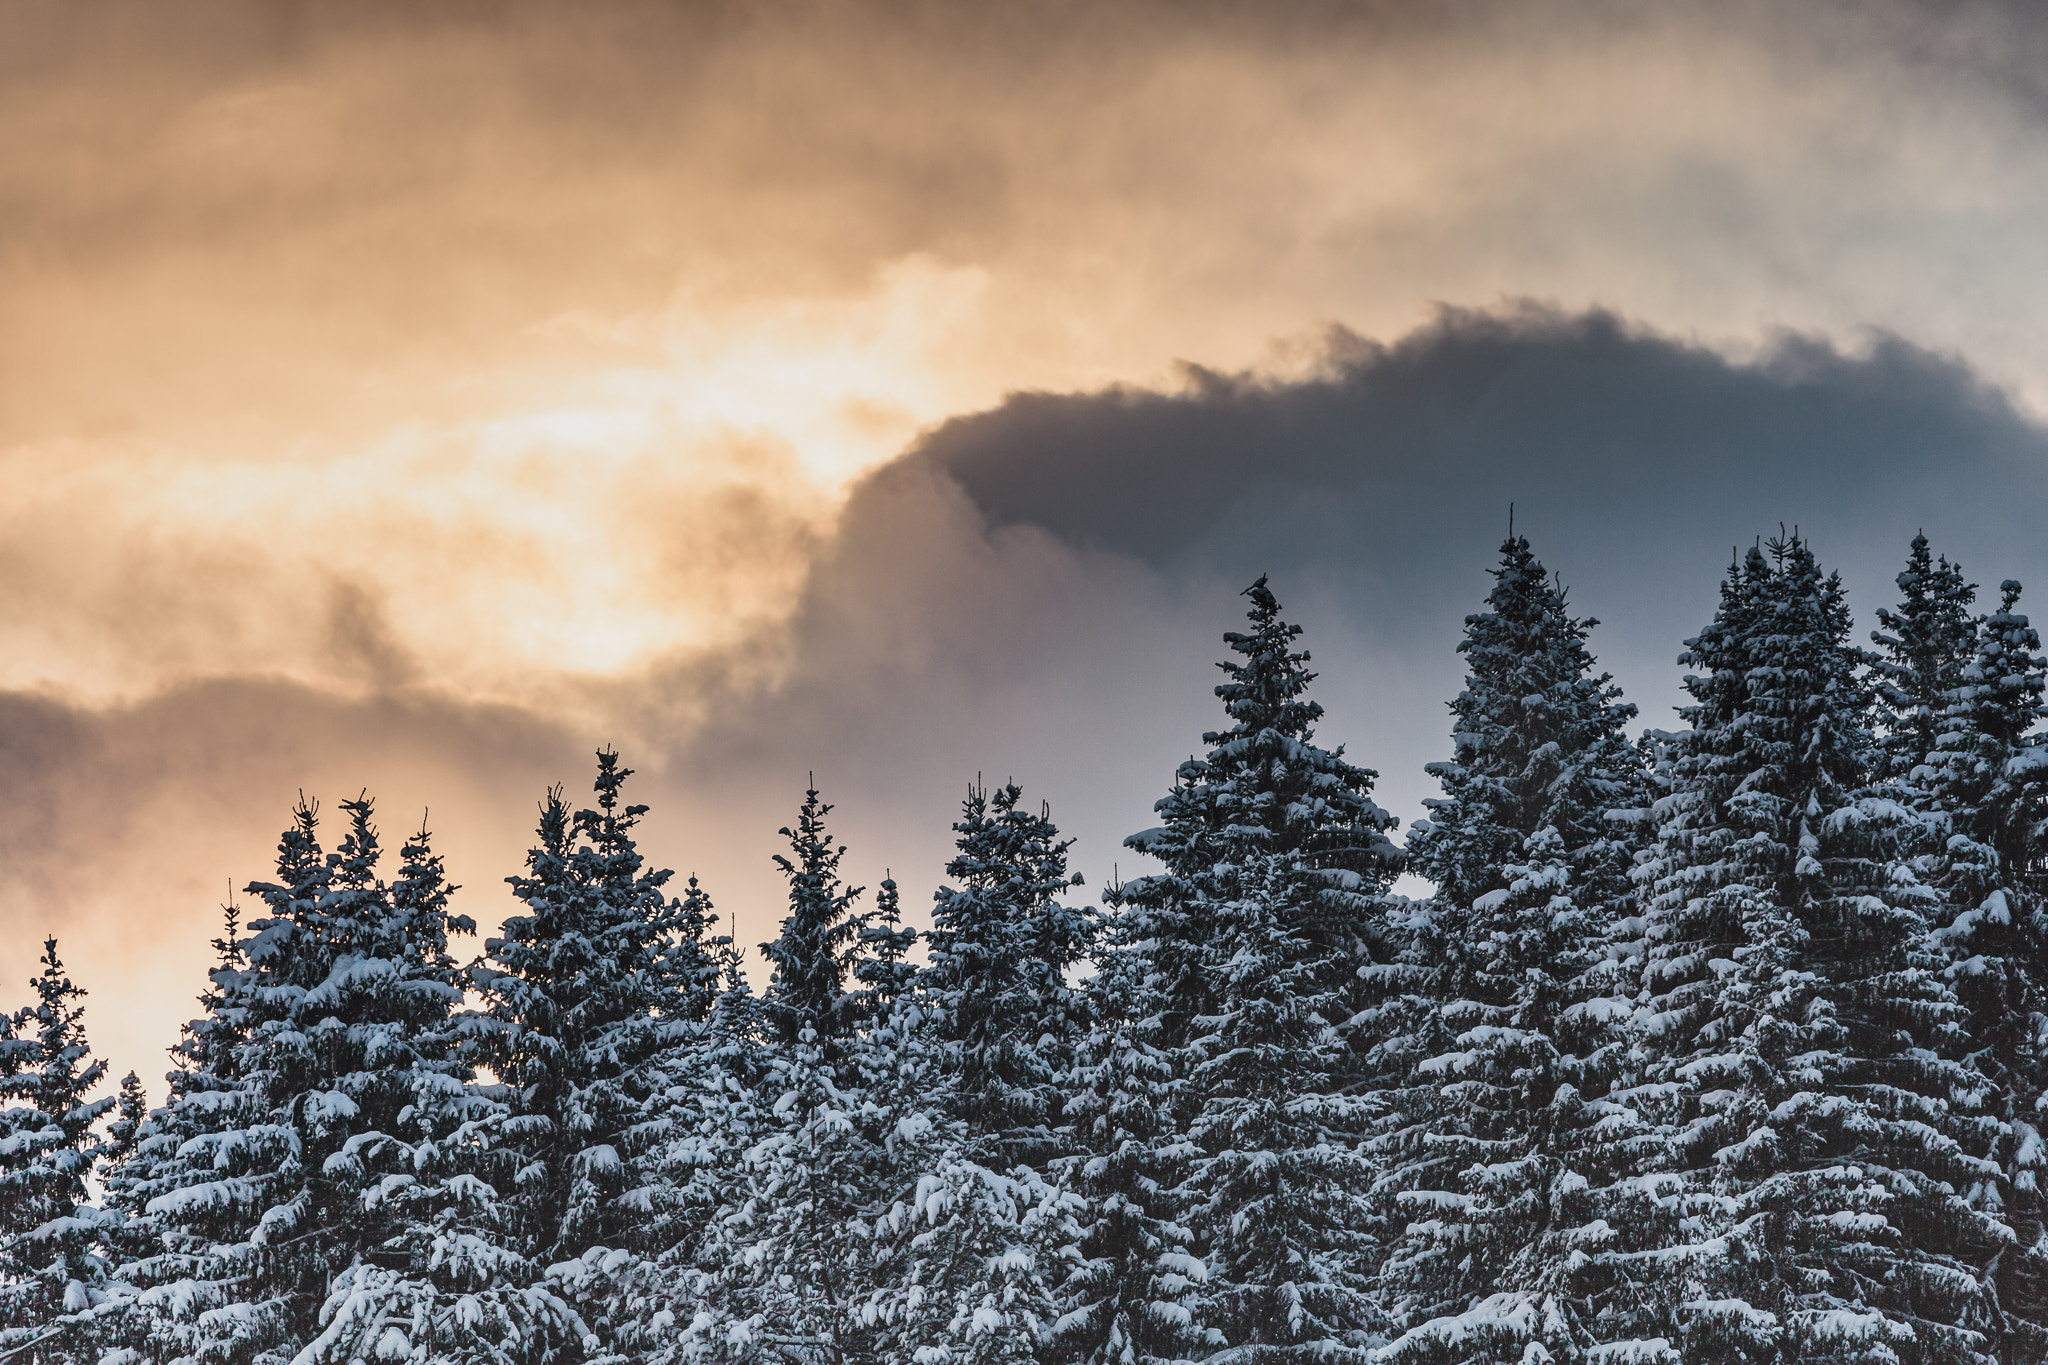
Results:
<point x="317" y="301"/>
<point x="1038" y="591"/>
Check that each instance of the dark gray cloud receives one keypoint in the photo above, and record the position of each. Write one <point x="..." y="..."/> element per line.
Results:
<point x="1598" y="431"/>
<point x="1039" y="589"/>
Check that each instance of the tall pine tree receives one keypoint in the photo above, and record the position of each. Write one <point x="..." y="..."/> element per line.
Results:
<point x="1275" y="861"/>
<point x="1989" y="792"/>
<point x="1499" y="1139"/>
<point x="1801" y="1045"/>
<point x="1538" y="743"/>
<point x="598" y="997"/>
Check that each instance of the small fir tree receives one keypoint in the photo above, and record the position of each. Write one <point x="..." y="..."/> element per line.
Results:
<point x="819" y="947"/>
<point x="53" y="1269"/>
<point x="1002" y="946"/>
<point x="1923" y="646"/>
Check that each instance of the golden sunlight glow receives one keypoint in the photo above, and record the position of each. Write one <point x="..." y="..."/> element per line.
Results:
<point x="667" y="510"/>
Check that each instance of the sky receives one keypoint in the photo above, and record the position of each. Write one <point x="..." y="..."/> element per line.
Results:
<point x="413" y="399"/>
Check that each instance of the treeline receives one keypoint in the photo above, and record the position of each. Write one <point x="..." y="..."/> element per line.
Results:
<point x="1716" y="1045"/>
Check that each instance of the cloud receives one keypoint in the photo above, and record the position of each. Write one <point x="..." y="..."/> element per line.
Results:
<point x="1607" y="435"/>
<point x="309" y="293"/>
<point x="1039" y="590"/>
<point x="417" y="399"/>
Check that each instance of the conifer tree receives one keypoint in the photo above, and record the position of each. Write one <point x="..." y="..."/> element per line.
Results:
<point x="1263" y="787"/>
<point x="1277" y="1189"/>
<point x="1131" y="1294"/>
<point x="1803" y="1043"/>
<point x="206" y="1063"/>
<point x="1989" y="791"/>
<point x="863" y="1221"/>
<point x="1512" y="1162"/>
<point x="1002" y="945"/>
<point x="1923" y="647"/>
<point x="1538" y="743"/>
<point x="331" y="1203"/>
<point x="819" y="947"/>
<point x="52" y="1268"/>
<point x="963" y="1246"/>
<point x="659" y="1298"/>
<point x="883" y="967"/>
<point x="786" y="1155"/>
<point x="1275" y="856"/>
<point x="597" y="997"/>
<point x="790" y="1258"/>
<point x="1494" y="1139"/>
<point x="131" y="1109"/>
<point x="971" y="1067"/>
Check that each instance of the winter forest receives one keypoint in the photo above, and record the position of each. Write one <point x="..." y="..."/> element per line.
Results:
<point x="1723" y="1043"/>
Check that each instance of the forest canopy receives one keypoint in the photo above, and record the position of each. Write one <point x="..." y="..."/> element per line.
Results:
<point x="1726" y="1043"/>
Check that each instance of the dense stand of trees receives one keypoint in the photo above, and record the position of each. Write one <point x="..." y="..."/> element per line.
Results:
<point x="1723" y="1044"/>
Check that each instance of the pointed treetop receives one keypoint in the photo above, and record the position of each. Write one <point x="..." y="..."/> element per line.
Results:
<point x="1923" y="646"/>
<point x="1265" y="785"/>
<point x="1537" y="738"/>
<point x="820" y="938"/>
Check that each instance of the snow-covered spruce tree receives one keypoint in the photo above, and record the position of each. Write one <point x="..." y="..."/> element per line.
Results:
<point x="131" y="1110"/>
<point x="1275" y="861"/>
<point x="1494" y="1140"/>
<point x="1001" y="947"/>
<point x="206" y="1060"/>
<point x="969" y="1070"/>
<point x="52" y="1268"/>
<point x="1538" y="743"/>
<point x="883" y="967"/>
<point x="446" y="1284"/>
<point x="964" y="1247"/>
<point x="1989" y="792"/>
<point x="669" y="1297"/>
<point x="327" y="1199"/>
<point x="1816" y="1207"/>
<point x="1130" y="1295"/>
<point x="205" y="1098"/>
<point x="598" y="997"/>
<point x="1513" y="1162"/>
<point x="1278" y="1188"/>
<point x="820" y="943"/>
<point x="789" y="1257"/>
<point x="211" y="1161"/>
<point x="858" y="1225"/>
<point x="1923" y="647"/>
